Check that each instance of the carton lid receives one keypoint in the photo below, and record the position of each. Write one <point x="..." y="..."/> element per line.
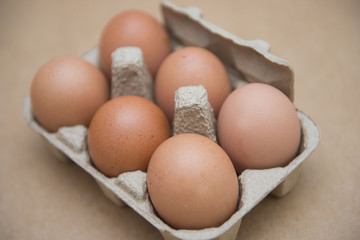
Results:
<point x="250" y="59"/>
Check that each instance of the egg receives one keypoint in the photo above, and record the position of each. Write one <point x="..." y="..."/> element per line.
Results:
<point x="258" y="127"/>
<point x="124" y="133"/>
<point x="134" y="28"/>
<point x="191" y="66"/>
<point x="67" y="91"/>
<point x="192" y="183"/>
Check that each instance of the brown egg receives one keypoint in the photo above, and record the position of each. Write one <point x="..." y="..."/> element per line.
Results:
<point x="124" y="133"/>
<point x="67" y="91"/>
<point x="192" y="182"/>
<point x="191" y="66"/>
<point x="258" y="127"/>
<point x="136" y="29"/>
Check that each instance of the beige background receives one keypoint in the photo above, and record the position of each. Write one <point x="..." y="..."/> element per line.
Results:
<point x="42" y="198"/>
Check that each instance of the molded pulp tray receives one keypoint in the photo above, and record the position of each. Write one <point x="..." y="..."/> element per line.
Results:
<point x="246" y="61"/>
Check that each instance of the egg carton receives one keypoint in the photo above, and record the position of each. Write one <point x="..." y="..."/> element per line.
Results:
<point x="246" y="61"/>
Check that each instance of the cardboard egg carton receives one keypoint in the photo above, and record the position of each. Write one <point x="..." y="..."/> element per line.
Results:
<point x="246" y="61"/>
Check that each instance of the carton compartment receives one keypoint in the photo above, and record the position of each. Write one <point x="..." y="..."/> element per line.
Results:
<point x="246" y="61"/>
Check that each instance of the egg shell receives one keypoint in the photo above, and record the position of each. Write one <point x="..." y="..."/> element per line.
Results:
<point x="175" y="166"/>
<point x="248" y="60"/>
<point x="124" y="133"/>
<point x="191" y="66"/>
<point x="258" y="127"/>
<point x="67" y="91"/>
<point x="134" y="28"/>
